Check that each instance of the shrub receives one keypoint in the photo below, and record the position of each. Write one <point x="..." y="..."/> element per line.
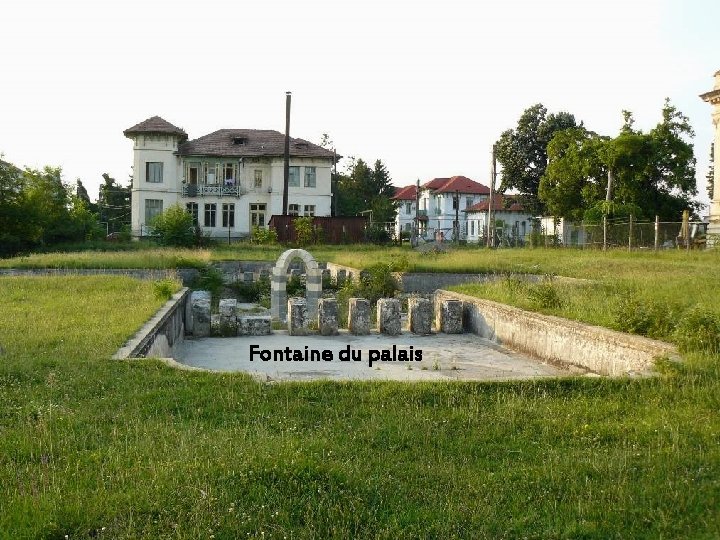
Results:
<point x="377" y="234"/>
<point x="263" y="236"/>
<point x="375" y="282"/>
<point x="643" y="316"/>
<point x="545" y="295"/>
<point x="303" y="230"/>
<point x="698" y="330"/>
<point x="174" y="227"/>
<point x="164" y="288"/>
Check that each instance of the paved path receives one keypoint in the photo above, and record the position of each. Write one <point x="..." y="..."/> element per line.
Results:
<point x="444" y="357"/>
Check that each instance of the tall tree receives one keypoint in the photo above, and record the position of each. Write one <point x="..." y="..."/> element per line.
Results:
<point x="654" y="172"/>
<point x="522" y="152"/>
<point x="363" y="188"/>
<point x="114" y="204"/>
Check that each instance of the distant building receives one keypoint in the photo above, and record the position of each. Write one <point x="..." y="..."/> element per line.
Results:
<point x="405" y="198"/>
<point x="229" y="180"/>
<point x="512" y="224"/>
<point x="439" y="199"/>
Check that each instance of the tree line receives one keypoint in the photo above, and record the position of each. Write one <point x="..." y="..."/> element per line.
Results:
<point x="38" y="210"/>
<point x="561" y="168"/>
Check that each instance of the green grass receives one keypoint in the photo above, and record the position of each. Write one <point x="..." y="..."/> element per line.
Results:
<point x="93" y="448"/>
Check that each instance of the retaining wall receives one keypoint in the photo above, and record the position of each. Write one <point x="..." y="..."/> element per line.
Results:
<point x="559" y="340"/>
<point x="186" y="275"/>
<point x="161" y="333"/>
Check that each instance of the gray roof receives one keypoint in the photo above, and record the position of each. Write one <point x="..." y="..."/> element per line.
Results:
<point x="250" y="143"/>
<point x="155" y="124"/>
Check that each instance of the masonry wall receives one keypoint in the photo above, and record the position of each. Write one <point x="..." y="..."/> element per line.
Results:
<point x="559" y="340"/>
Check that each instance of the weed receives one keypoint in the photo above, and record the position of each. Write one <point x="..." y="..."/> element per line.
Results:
<point x="165" y="288"/>
<point x="698" y="331"/>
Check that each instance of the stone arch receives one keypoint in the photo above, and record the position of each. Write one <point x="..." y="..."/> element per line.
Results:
<point x="278" y="284"/>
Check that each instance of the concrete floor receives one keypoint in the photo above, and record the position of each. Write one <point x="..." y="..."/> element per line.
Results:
<point x="444" y="357"/>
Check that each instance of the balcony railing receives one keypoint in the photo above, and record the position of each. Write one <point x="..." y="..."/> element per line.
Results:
<point x="422" y="213"/>
<point x="192" y="190"/>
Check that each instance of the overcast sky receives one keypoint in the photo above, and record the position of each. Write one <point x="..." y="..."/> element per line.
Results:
<point x="425" y="86"/>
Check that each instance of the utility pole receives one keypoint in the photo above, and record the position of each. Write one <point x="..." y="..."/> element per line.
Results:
<point x="490" y="228"/>
<point x="334" y="185"/>
<point x="416" y="228"/>
<point x="286" y="172"/>
<point x="608" y="197"/>
<point x="457" y="217"/>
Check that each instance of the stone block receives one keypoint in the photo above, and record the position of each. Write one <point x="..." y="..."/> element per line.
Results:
<point x="227" y="323"/>
<point x="340" y="277"/>
<point x="189" y="319"/>
<point x="449" y="316"/>
<point x="297" y="316"/>
<point x="255" y="325"/>
<point x="420" y="315"/>
<point x="359" y="316"/>
<point x="201" y="319"/>
<point x="388" y="316"/>
<point x="328" y="316"/>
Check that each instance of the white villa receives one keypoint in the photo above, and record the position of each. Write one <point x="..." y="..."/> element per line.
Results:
<point x="439" y="199"/>
<point x="405" y="199"/>
<point x="512" y="223"/>
<point x="229" y="180"/>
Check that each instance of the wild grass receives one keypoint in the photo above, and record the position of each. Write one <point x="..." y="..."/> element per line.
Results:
<point x="93" y="448"/>
<point x="155" y="258"/>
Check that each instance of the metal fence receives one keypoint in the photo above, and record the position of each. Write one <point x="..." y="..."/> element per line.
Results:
<point x="622" y="233"/>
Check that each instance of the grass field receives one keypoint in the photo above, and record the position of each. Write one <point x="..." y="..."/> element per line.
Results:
<point x="93" y="448"/>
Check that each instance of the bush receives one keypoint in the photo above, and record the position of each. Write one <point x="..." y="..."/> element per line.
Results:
<point x="263" y="236"/>
<point x="164" y="288"/>
<point x="174" y="227"/>
<point x="645" y="317"/>
<point x="377" y="234"/>
<point x="698" y="330"/>
<point x="375" y="282"/>
<point x="304" y="232"/>
<point x="545" y="295"/>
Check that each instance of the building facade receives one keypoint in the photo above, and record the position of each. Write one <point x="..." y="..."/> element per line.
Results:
<point x="442" y="199"/>
<point x="405" y="198"/>
<point x="713" y="97"/>
<point x="512" y="224"/>
<point x="230" y="180"/>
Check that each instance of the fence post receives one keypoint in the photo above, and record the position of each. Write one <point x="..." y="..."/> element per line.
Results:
<point x="630" y="234"/>
<point x="605" y="233"/>
<point x="657" y="232"/>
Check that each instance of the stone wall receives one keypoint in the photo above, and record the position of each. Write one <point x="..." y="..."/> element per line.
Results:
<point x="559" y="340"/>
<point x="159" y="335"/>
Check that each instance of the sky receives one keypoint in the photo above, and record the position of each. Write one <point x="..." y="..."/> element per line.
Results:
<point x="426" y="87"/>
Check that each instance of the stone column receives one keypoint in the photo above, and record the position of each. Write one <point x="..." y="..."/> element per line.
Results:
<point x="388" y="316"/>
<point x="448" y="316"/>
<point x="189" y="318"/>
<point x="228" y="318"/>
<point x="419" y="315"/>
<point x="327" y="317"/>
<point x="359" y="316"/>
<point x="201" y="316"/>
<point x="713" y="97"/>
<point x="297" y="316"/>
<point x="278" y="294"/>
<point x="313" y="286"/>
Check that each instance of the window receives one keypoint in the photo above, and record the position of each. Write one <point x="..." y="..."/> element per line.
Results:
<point x="258" y="178"/>
<point x="210" y="210"/>
<point x="408" y="208"/>
<point x="309" y="176"/>
<point x="153" y="207"/>
<point x="468" y="202"/>
<point x="294" y="177"/>
<point x="309" y="210"/>
<point x="192" y="209"/>
<point x="154" y="171"/>
<point x="229" y="174"/>
<point x="228" y="215"/>
<point x="293" y="209"/>
<point x="472" y="228"/>
<point x="408" y="227"/>
<point x="210" y="173"/>
<point x="193" y="173"/>
<point x="257" y="215"/>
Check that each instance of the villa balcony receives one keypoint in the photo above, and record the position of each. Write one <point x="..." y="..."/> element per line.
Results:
<point x="216" y="190"/>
